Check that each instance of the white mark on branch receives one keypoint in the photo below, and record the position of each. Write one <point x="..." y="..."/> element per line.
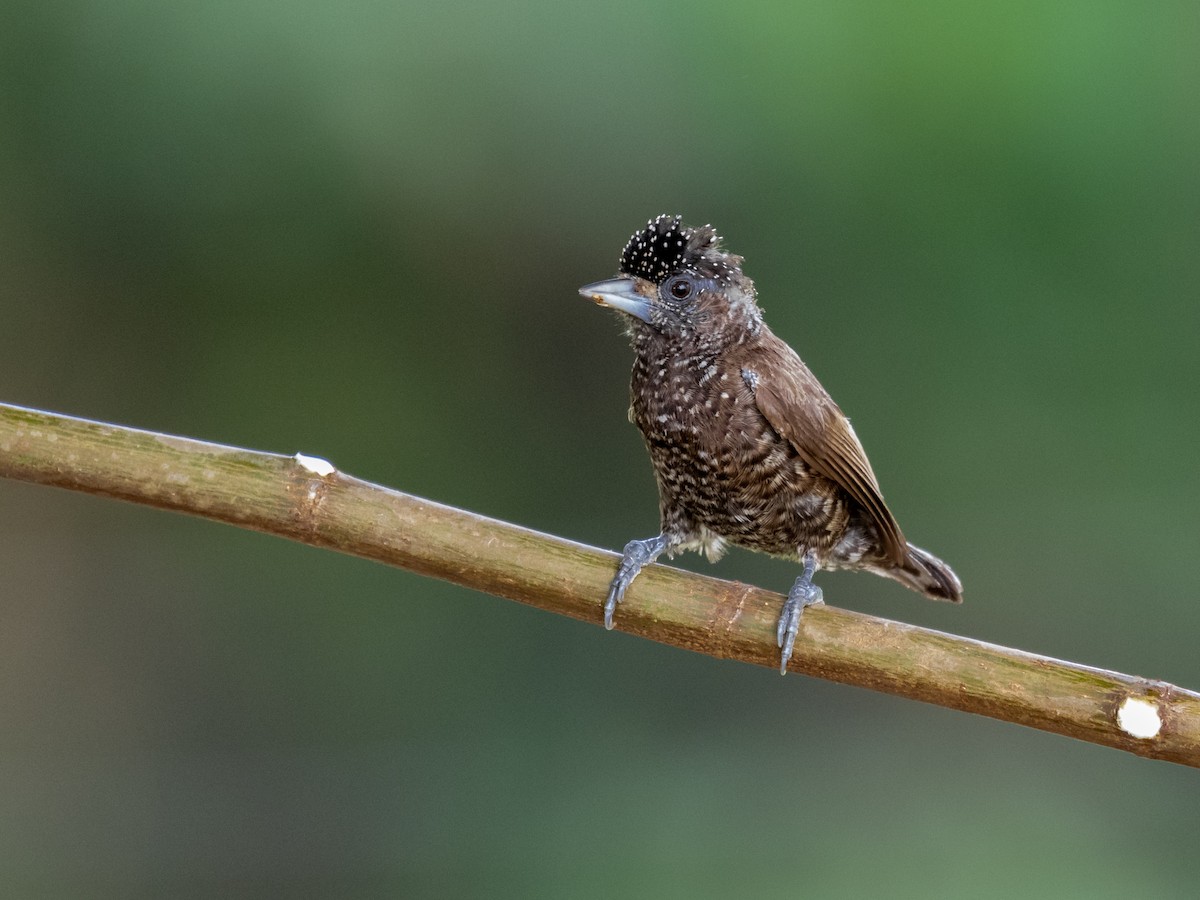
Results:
<point x="1139" y="717"/>
<point x="315" y="464"/>
<point x="314" y="488"/>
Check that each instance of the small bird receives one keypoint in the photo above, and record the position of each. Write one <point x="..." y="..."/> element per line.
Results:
<point x="747" y="446"/>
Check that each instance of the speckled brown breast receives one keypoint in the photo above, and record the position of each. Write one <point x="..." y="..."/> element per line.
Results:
<point x="721" y="466"/>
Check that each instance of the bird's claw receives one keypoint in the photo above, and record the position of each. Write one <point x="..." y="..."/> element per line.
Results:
<point x="637" y="555"/>
<point x="802" y="595"/>
<point x="616" y="591"/>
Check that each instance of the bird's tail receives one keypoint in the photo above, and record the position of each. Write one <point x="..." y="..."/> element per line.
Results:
<point x="926" y="574"/>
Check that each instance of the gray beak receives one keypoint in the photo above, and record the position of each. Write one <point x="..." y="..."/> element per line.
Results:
<point x="619" y="294"/>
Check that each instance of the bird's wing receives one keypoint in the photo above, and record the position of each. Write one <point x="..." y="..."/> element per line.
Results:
<point x="800" y="409"/>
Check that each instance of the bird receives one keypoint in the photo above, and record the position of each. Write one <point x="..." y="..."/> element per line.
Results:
<point x="748" y="448"/>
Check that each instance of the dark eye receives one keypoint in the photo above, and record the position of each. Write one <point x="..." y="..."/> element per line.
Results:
<point x="680" y="288"/>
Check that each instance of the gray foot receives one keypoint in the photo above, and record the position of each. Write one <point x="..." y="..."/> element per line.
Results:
<point x="637" y="554"/>
<point x="803" y="594"/>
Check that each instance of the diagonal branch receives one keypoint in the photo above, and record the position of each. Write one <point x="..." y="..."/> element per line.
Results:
<point x="305" y="499"/>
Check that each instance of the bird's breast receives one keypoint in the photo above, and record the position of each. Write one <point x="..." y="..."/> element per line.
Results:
<point x="698" y="406"/>
<point x="716" y="457"/>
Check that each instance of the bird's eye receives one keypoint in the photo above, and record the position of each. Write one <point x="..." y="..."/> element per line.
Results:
<point x="680" y="288"/>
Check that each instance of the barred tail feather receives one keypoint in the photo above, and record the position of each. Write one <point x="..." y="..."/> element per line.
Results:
<point x="926" y="574"/>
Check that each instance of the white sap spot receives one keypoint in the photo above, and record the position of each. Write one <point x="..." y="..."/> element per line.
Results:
<point x="315" y="464"/>
<point x="1139" y="718"/>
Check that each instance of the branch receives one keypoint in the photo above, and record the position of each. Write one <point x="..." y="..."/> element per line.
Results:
<point x="305" y="499"/>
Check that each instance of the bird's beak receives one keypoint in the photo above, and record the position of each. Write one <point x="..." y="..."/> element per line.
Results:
<point x="620" y="294"/>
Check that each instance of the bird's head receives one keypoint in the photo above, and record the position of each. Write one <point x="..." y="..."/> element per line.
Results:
<point x="677" y="282"/>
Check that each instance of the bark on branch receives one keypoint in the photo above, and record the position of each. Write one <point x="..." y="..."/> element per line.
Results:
<point x="305" y="499"/>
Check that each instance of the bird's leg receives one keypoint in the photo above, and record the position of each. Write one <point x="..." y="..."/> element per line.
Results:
<point x="637" y="554"/>
<point x="803" y="593"/>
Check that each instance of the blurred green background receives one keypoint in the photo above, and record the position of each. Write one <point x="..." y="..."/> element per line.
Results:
<point x="357" y="229"/>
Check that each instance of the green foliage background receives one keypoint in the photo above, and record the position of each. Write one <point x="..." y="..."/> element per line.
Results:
<point x="356" y="230"/>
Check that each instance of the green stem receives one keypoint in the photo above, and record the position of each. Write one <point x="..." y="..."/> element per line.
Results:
<point x="297" y="498"/>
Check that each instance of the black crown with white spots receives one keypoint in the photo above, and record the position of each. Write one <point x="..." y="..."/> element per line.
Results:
<point x="665" y="248"/>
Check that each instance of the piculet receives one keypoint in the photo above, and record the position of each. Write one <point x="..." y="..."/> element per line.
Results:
<point x="748" y="448"/>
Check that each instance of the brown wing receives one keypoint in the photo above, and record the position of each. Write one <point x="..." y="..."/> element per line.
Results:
<point x="799" y="409"/>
